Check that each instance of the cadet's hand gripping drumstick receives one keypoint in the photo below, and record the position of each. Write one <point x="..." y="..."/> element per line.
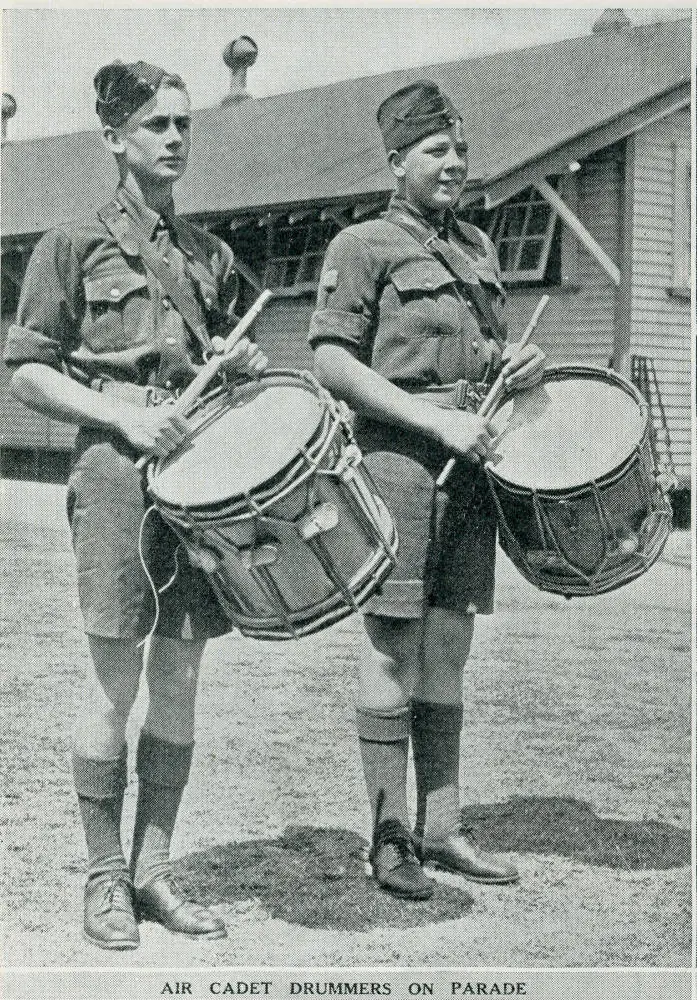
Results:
<point x="494" y="394"/>
<point x="213" y="365"/>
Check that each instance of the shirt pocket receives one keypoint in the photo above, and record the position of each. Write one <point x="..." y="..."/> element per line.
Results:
<point x="420" y="312"/>
<point x="119" y="311"/>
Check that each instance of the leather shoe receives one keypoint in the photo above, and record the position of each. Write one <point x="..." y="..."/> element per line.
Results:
<point x="459" y="854"/>
<point x="109" y="918"/>
<point x="395" y="866"/>
<point x="162" y="901"/>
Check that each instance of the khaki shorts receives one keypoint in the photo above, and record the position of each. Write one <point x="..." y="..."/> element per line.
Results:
<point x="447" y="538"/>
<point x="106" y="504"/>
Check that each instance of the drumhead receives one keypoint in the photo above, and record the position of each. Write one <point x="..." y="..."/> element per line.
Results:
<point x="575" y="427"/>
<point x="248" y="443"/>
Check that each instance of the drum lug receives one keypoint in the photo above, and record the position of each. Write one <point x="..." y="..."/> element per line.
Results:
<point x="321" y="518"/>
<point x="203" y="559"/>
<point x="262" y="555"/>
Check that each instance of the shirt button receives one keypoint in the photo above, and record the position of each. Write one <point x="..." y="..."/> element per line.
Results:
<point x="428" y="284"/>
<point x="468" y="303"/>
<point x="166" y="303"/>
<point x="165" y="258"/>
<point x="209" y="301"/>
<point x="168" y="383"/>
<point x="475" y="346"/>
<point x="114" y="293"/>
<point x="171" y="341"/>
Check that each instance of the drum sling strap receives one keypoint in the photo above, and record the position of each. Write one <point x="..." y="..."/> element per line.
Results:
<point x="459" y="268"/>
<point x="121" y="227"/>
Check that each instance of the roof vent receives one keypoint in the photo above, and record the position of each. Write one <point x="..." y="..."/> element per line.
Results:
<point x="239" y="55"/>
<point x="611" y="19"/>
<point x="9" y="107"/>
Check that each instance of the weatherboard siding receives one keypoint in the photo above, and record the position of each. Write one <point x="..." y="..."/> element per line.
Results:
<point x="660" y="322"/>
<point x="578" y="325"/>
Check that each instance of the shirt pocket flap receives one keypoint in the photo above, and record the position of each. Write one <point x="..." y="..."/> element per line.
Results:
<point x="114" y="287"/>
<point x="420" y="276"/>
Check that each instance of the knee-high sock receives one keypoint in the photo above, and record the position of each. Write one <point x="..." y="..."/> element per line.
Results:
<point x="436" y="744"/>
<point x="100" y="786"/>
<point x="163" y="771"/>
<point x="384" y="742"/>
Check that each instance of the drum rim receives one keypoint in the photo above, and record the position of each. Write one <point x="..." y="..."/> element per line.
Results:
<point x="323" y="432"/>
<point x="560" y="373"/>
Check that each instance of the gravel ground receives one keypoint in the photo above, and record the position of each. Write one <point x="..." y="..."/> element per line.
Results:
<point x="576" y="763"/>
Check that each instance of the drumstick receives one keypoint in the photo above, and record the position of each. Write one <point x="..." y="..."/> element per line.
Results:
<point x="494" y="394"/>
<point x="213" y="365"/>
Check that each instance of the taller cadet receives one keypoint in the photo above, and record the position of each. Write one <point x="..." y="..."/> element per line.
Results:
<point x="116" y="314"/>
<point x="408" y="331"/>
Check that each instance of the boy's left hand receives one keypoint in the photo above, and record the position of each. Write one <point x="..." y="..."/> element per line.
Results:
<point x="244" y="357"/>
<point x="523" y="367"/>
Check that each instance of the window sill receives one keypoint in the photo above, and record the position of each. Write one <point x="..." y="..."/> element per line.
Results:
<point x="681" y="292"/>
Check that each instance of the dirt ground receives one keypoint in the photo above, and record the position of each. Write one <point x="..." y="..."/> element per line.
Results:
<point x="576" y="761"/>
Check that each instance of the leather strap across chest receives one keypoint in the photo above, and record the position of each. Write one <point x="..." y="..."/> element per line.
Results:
<point x="122" y="228"/>
<point x="458" y="267"/>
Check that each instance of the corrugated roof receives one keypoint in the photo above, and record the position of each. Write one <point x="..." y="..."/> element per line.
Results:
<point x="324" y="144"/>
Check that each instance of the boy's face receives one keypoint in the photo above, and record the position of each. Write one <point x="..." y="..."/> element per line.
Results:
<point x="435" y="171"/>
<point x="155" y="140"/>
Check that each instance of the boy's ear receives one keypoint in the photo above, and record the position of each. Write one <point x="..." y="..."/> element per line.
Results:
<point x="396" y="161"/>
<point x="112" y="140"/>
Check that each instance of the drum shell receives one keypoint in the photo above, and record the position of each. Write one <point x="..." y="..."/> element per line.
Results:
<point x="301" y="551"/>
<point x="592" y="538"/>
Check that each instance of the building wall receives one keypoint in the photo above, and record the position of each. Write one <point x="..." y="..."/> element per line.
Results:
<point x="660" y="311"/>
<point x="579" y="323"/>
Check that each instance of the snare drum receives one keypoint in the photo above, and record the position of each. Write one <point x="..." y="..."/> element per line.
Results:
<point x="574" y="482"/>
<point x="269" y="496"/>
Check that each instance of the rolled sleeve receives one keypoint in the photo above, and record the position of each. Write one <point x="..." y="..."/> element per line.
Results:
<point x="47" y="324"/>
<point x="347" y="299"/>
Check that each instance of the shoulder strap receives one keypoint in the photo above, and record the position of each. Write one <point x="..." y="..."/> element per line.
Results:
<point x="130" y="238"/>
<point x="458" y="267"/>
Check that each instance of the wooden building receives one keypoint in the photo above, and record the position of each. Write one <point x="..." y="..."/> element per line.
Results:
<point x="579" y="170"/>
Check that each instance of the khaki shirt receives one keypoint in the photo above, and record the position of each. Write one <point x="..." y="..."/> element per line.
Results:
<point x="400" y="310"/>
<point x="90" y="308"/>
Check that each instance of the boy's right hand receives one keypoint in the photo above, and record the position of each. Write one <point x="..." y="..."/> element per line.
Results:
<point x="152" y="430"/>
<point x="464" y="434"/>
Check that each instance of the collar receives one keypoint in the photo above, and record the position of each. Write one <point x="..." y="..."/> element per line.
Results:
<point x="398" y="204"/>
<point x="146" y="219"/>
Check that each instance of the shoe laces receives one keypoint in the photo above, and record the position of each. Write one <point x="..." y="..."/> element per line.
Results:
<point x="391" y="831"/>
<point x="117" y="893"/>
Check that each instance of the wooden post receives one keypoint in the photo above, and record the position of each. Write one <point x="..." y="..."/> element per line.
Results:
<point x="575" y="224"/>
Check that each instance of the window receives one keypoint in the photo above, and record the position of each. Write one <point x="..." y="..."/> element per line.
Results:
<point x="524" y="232"/>
<point x="14" y="264"/>
<point x="682" y="180"/>
<point x="296" y="252"/>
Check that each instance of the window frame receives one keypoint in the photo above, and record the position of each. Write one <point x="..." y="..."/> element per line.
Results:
<point x="493" y="223"/>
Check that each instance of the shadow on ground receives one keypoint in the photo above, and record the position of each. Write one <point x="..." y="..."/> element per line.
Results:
<point x="571" y="829"/>
<point x="314" y="877"/>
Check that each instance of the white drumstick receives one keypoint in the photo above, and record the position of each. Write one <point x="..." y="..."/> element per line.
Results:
<point x="213" y="365"/>
<point x="494" y="394"/>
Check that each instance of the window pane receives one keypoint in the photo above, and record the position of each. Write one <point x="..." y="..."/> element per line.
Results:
<point x="504" y="256"/>
<point x="514" y="221"/>
<point x="530" y="257"/>
<point x="539" y="218"/>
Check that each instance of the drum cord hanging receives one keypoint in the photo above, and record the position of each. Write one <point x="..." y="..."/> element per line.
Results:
<point x="155" y="592"/>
